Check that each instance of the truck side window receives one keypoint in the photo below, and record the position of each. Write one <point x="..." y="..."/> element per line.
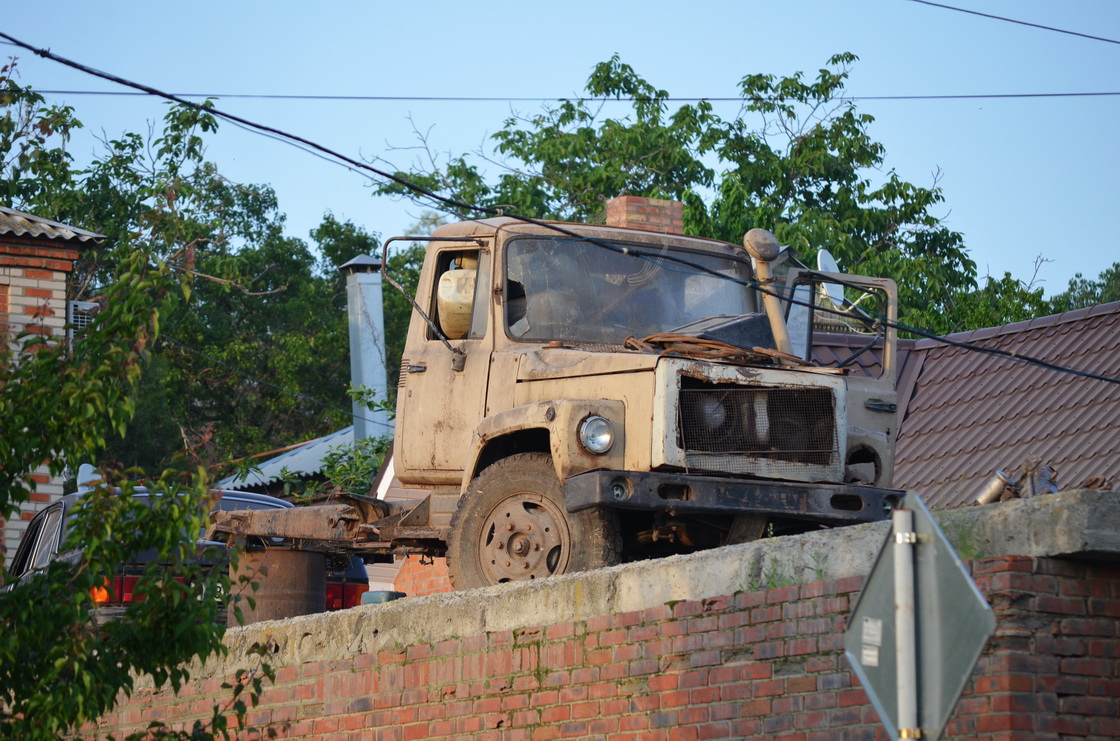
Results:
<point x="460" y="291"/>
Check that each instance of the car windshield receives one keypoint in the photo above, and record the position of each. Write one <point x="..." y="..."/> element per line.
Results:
<point x="577" y="291"/>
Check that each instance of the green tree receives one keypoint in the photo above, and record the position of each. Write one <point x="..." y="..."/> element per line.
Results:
<point x="34" y="161"/>
<point x="798" y="160"/>
<point x="1082" y="292"/>
<point x="258" y="357"/>
<point x="1000" y="301"/>
<point x="262" y="354"/>
<point x="59" y="668"/>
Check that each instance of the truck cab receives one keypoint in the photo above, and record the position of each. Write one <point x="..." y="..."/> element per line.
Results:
<point x="577" y="395"/>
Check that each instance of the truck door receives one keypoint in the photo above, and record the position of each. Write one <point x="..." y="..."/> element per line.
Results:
<point x="446" y="364"/>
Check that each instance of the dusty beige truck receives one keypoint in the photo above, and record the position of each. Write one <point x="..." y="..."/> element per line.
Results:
<point x="576" y="398"/>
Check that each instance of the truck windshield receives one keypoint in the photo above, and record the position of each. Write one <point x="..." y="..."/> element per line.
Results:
<point x="578" y="291"/>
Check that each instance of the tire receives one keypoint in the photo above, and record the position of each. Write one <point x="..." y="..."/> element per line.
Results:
<point x="512" y="525"/>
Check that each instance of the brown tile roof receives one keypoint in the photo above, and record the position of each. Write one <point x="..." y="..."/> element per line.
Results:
<point x="831" y="349"/>
<point x="969" y="414"/>
<point x="19" y="224"/>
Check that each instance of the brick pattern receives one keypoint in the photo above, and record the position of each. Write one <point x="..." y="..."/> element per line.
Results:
<point x="751" y="665"/>
<point x="647" y="214"/>
<point x="33" y="300"/>
<point x="1053" y="667"/>
<point x="42" y="259"/>
<point x="421" y="575"/>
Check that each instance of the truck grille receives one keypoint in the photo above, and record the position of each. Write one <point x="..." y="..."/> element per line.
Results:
<point x="733" y="428"/>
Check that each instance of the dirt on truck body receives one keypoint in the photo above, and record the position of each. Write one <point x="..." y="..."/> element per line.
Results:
<point x="580" y="398"/>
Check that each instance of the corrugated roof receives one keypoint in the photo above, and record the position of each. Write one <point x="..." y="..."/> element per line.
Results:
<point x="19" y="224"/>
<point x="305" y="460"/>
<point x="968" y="414"/>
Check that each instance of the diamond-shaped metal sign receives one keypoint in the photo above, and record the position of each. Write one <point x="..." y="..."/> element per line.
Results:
<point x="953" y="622"/>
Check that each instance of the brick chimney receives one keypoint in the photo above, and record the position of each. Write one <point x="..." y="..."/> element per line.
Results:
<point x="648" y="214"/>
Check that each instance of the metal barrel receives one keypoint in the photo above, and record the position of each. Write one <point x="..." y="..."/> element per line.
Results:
<point x="290" y="583"/>
<point x="995" y="488"/>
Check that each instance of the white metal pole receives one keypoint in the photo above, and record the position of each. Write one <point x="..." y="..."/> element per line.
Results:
<point x="905" y="630"/>
<point x="367" y="344"/>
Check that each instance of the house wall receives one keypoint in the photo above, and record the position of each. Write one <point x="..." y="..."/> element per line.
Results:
<point x="420" y="576"/>
<point x="33" y="299"/>
<point x="739" y="642"/>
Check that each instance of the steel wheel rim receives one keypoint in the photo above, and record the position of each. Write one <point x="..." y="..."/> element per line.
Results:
<point x="525" y="536"/>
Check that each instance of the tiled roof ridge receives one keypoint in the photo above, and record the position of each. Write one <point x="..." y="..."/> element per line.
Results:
<point x="1052" y="320"/>
<point x="22" y="224"/>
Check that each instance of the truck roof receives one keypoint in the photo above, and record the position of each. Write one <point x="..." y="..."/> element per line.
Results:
<point x="489" y="227"/>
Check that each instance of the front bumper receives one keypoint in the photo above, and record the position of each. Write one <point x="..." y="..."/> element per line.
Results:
<point x="683" y="494"/>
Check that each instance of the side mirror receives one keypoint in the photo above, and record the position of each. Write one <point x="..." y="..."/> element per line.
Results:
<point x="797" y="321"/>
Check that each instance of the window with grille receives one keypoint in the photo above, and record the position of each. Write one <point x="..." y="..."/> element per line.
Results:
<point x="79" y="315"/>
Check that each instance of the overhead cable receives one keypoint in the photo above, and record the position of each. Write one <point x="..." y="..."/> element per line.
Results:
<point x="886" y="322"/>
<point x="513" y="99"/>
<point x="1012" y="20"/>
<point x="268" y="130"/>
<point x="331" y="155"/>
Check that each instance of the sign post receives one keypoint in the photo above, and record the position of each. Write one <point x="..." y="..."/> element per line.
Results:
<point x="918" y="627"/>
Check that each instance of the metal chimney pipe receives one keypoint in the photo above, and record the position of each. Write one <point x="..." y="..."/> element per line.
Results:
<point x="367" y="342"/>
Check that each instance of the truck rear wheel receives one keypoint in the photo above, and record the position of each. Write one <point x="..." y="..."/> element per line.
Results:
<point x="512" y="526"/>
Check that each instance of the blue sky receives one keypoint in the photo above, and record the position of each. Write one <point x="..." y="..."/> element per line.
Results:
<point x="1022" y="177"/>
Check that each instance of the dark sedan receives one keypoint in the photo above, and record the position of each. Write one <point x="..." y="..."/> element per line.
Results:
<point x="346" y="578"/>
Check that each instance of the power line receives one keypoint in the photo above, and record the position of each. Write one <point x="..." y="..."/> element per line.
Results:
<point x="246" y="123"/>
<point x="349" y="162"/>
<point x="1012" y="20"/>
<point x="511" y="99"/>
<point x="1006" y="354"/>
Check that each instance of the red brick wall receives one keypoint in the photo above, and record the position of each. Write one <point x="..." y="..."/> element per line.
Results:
<point x="647" y="214"/>
<point x="32" y="300"/>
<point x="421" y="575"/>
<point x="751" y="665"/>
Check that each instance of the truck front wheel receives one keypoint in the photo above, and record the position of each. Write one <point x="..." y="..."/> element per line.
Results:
<point x="512" y="526"/>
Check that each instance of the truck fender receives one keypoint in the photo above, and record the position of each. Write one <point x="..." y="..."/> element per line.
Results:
<point x="560" y="420"/>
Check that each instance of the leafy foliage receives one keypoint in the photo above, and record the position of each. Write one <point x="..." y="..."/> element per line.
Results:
<point x="1000" y="301"/>
<point x="59" y="667"/>
<point x="33" y="157"/>
<point x="348" y="468"/>
<point x="258" y="357"/>
<point x="797" y="160"/>
<point x="1083" y="292"/>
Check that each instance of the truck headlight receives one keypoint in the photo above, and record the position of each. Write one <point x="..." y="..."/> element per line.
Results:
<point x="596" y="434"/>
<point x="712" y="413"/>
